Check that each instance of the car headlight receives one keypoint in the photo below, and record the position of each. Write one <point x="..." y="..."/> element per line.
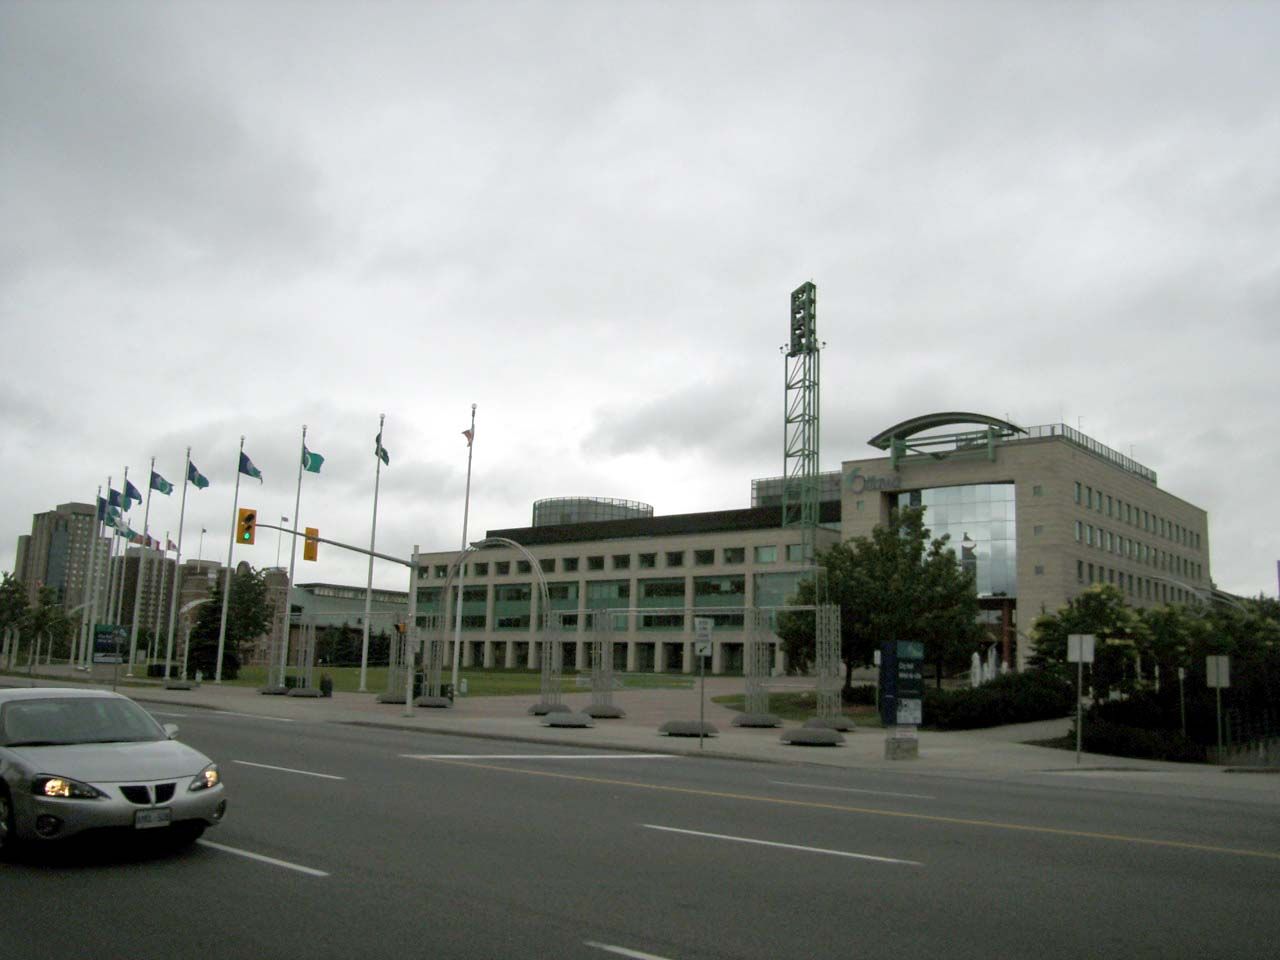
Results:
<point x="65" y="787"/>
<point x="206" y="778"/>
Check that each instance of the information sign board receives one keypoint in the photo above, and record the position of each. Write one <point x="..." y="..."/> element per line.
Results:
<point x="1080" y="647"/>
<point x="702" y="627"/>
<point x="1218" y="672"/>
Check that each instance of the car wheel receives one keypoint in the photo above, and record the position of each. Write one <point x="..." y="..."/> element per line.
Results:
<point x="8" y="834"/>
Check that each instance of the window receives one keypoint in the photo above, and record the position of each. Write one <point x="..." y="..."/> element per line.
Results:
<point x="569" y="564"/>
<point x="441" y="571"/>
<point x="795" y="553"/>
<point x="622" y="561"/>
<point x="1039" y="570"/>
<point x="858" y="505"/>
<point x="704" y="558"/>
<point x="675" y="558"/>
<point x="522" y="566"/>
<point x="671" y="589"/>
<point x="1037" y="530"/>
<point x="766" y="554"/>
<point x="1091" y="573"/>
<point x="1088" y="500"/>
<point x="1037" y="491"/>
<point x="595" y="563"/>
<point x="1079" y="531"/>
<point x="1088" y="534"/>
<point x="648" y="560"/>
<point x="1077" y="491"/>
<point x="1080" y="571"/>
<point x="480" y="569"/>
<point x="548" y="565"/>
<point x="735" y="554"/>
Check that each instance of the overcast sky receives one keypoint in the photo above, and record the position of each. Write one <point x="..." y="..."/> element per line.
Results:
<point x="238" y="218"/>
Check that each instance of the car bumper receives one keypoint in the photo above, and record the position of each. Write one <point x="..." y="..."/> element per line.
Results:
<point x="54" y="818"/>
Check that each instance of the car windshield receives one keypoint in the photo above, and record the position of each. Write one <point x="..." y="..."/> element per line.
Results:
<point x="58" y="721"/>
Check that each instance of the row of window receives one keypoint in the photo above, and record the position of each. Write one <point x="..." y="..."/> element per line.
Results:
<point x="673" y="559"/>
<point x="1143" y="588"/>
<point x="1092" y="499"/>
<point x="1123" y="546"/>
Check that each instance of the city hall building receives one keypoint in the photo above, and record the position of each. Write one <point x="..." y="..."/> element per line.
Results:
<point x="1037" y="514"/>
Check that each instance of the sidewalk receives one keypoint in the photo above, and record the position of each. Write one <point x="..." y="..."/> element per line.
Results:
<point x="999" y="754"/>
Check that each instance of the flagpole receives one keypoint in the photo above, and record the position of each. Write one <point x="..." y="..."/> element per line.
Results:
<point x="373" y="532"/>
<point x="226" y="590"/>
<point x="177" y="566"/>
<point x="293" y="554"/>
<point x="119" y="601"/>
<point x="97" y="580"/>
<point x="86" y="592"/>
<point x="164" y="576"/>
<point x="462" y="569"/>
<point x="142" y="566"/>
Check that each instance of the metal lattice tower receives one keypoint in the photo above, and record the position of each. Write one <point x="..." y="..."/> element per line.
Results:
<point x="800" y="440"/>
<point x="827" y="636"/>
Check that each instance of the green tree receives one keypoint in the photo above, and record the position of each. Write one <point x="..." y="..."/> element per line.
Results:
<point x="1121" y="637"/>
<point x="13" y="608"/>
<point x="45" y="622"/>
<point x="249" y="615"/>
<point x="897" y="584"/>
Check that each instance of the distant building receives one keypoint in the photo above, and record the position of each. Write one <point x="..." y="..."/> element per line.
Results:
<point x="56" y="553"/>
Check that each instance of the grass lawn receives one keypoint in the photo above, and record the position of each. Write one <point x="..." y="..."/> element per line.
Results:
<point x="802" y="706"/>
<point x="480" y="683"/>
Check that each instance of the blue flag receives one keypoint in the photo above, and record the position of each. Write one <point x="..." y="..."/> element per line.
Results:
<point x="102" y="509"/>
<point x="131" y="492"/>
<point x="115" y="499"/>
<point x="196" y="477"/>
<point x="248" y="469"/>
<point x="160" y="483"/>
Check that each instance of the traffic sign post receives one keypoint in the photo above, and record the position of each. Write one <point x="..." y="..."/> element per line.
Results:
<point x="702" y="627"/>
<point x="1080" y="651"/>
<point x="1217" y="674"/>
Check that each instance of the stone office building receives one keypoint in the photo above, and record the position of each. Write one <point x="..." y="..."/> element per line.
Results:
<point x="1038" y="514"/>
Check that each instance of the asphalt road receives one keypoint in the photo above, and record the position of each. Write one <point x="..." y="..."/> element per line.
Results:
<point x="345" y="841"/>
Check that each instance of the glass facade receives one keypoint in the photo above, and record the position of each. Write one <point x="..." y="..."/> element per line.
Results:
<point x="981" y="521"/>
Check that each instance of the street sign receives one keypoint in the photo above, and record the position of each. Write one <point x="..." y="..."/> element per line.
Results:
<point x="702" y="627"/>
<point x="1080" y="647"/>
<point x="1218" y="672"/>
<point x="107" y="640"/>
<point x="910" y="684"/>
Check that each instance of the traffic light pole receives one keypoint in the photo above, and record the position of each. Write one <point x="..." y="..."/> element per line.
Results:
<point x="339" y="544"/>
<point x="226" y="590"/>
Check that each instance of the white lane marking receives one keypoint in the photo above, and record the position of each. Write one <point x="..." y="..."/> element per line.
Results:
<point x="251" y="716"/>
<point x="539" y="756"/>
<point x="878" y="793"/>
<point x="305" y="773"/>
<point x="161" y="713"/>
<point x="623" y="951"/>
<point x="785" y="846"/>
<point x="309" y="871"/>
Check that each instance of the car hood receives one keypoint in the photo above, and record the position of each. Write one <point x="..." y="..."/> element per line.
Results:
<point x="114" y="762"/>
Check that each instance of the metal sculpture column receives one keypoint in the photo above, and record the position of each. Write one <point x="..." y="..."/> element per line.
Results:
<point x="552" y="636"/>
<point x="396" y="667"/>
<point x="305" y="660"/>
<point x="436" y="638"/>
<point x="827" y="664"/>
<point x="275" y="664"/>
<point x="600" y="649"/>
<point x="757" y="660"/>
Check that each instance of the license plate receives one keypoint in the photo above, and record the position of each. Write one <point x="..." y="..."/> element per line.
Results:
<point x="146" y="819"/>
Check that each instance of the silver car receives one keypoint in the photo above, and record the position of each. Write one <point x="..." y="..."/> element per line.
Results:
<point x="73" y="760"/>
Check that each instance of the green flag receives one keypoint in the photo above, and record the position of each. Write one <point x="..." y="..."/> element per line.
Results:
<point x="160" y="483"/>
<point x="196" y="477"/>
<point x="311" y="461"/>
<point x="380" y="451"/>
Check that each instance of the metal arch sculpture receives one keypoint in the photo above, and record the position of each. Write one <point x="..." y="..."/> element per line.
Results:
<point x="551" y="652"/>
<point x="909" y="428"/>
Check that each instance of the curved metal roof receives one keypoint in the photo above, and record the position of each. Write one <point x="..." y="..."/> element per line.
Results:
<point x="909" y="428"/>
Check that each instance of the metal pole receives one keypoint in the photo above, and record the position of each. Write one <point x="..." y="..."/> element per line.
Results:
<point x="411" y="633"/>
<point x="177" y="567"/>
<point x="1182" y="698"/>
<point x="124" y="551"/>
<point x="1079" y="701"/>
<point x="279" y="538"/>
<point x="293" y="556"/>
<point x="702" y="698"/>
<point x="142" y="566"/>
<point x="1218" y="692"/>
<point x="226" y="591"/>
<point x="373" y="533"/>
<point x="462" y="570"/>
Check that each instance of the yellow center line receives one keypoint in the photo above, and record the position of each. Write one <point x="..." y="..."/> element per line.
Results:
<point x="869" y="811"/>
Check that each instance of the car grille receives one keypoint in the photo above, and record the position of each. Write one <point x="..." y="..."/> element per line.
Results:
<point x="141" y="794"/>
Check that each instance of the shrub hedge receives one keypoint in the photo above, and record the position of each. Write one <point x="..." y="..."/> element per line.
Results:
<point x="1009" y="698"/>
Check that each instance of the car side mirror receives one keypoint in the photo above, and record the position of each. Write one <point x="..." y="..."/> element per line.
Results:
<point x="172" y="730"/>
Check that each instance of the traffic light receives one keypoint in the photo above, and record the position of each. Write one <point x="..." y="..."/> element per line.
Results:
<point x="311" y="546"/>
<point x="246" y="525"/>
